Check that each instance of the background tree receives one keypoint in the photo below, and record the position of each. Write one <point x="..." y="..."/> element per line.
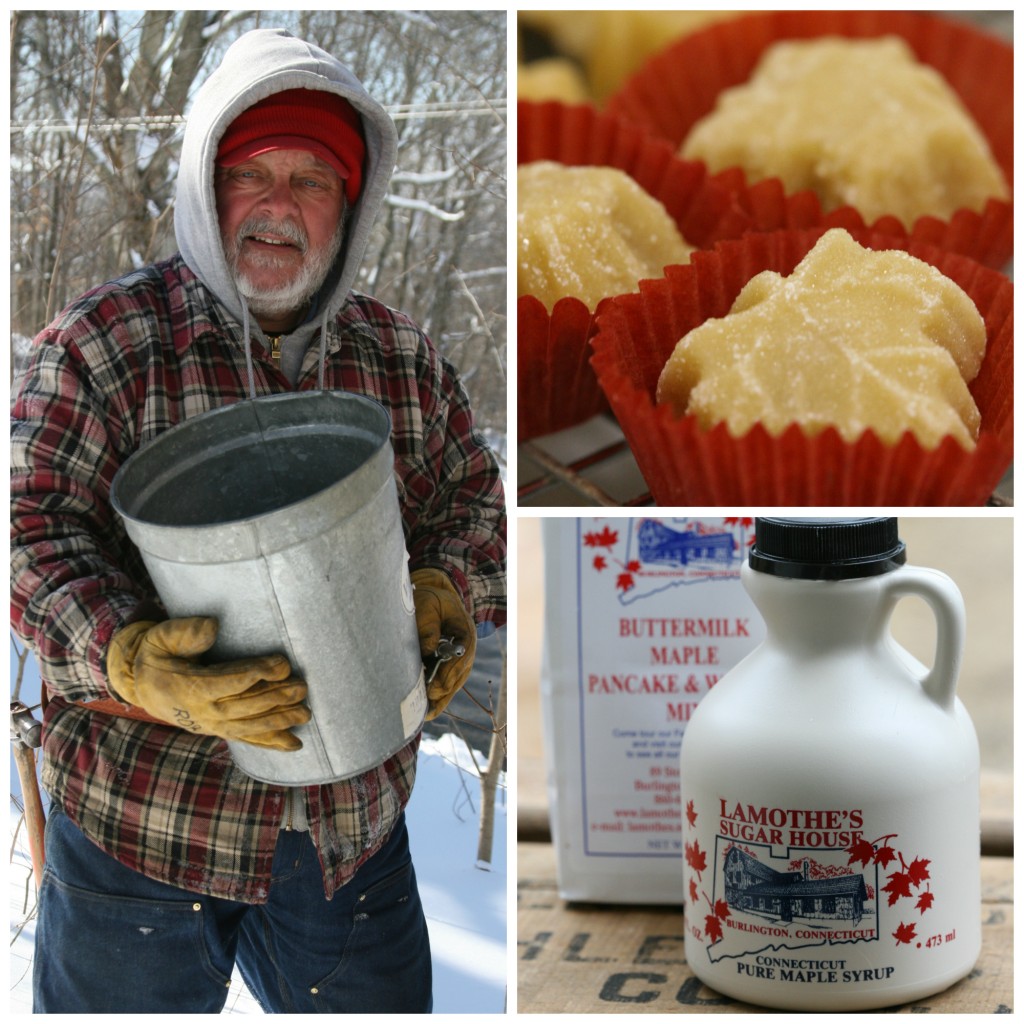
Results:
<point x="97" y="105"/>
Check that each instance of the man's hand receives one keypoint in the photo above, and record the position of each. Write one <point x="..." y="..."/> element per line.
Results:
<point x="440" y="612"/>
<point x="155" y="667"/>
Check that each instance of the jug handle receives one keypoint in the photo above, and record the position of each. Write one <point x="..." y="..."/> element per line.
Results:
<point x="947" y="605"/>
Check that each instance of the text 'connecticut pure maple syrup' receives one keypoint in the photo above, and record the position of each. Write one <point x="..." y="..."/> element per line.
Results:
<point x="830" y="786"/>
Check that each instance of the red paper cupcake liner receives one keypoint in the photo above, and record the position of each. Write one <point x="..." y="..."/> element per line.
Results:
<point x="556" y="385"/>
<point x="686" y="465"/>
<point x="681" y="85"/>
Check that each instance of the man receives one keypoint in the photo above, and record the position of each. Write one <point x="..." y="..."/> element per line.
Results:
<point x="165" y="864"/>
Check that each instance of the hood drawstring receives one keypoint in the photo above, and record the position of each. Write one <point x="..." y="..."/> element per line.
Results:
<point x="250" y="373"/>
<point x="248" y="349"/>
<point x="323" y="355"/>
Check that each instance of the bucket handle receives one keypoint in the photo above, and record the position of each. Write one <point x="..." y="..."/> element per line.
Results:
<point x="947" y="605"/>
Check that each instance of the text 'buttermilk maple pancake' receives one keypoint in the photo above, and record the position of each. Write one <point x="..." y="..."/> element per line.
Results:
<point x="854" y="338"/>
<point x="859" y="122"/>
<point x="589" y="232"/>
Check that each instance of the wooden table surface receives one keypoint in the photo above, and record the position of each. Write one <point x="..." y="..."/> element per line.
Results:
<point x="598" y="958"/>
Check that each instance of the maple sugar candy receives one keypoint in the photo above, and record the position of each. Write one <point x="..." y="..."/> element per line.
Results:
<point x="610" y="45"/>
<point x="553" y="78"/>
<point x="854" y="338"/>
<point x="860" y="123"/>
<point x="589" y="232"/>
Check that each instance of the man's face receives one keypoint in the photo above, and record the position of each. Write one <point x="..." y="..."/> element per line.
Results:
<point x="280" y="220"/>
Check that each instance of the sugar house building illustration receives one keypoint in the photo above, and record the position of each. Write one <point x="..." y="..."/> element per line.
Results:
<point x="756" y="888"/>
<point x="660" y="543"/>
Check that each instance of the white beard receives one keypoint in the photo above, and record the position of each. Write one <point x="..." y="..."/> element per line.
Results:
<point x="294" y="295"/>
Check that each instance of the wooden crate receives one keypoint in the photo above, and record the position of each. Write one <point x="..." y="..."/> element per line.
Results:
<point x="592" y="958"/>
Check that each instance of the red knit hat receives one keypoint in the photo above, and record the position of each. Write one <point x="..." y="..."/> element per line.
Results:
<point x="319" y="122"/>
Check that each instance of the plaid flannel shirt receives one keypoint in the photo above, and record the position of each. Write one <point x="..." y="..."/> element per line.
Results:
<point x="119" y="366"/>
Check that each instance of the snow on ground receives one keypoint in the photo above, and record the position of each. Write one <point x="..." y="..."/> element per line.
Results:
<point x="466" y="904"/>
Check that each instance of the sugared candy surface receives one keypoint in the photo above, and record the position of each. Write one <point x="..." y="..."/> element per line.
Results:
<point x="554" y="78"/>
<point x="858" y="122"/>
<point x="853" y="338"/>
<point x="611" y="45"/>
<point x="589" y="232"/>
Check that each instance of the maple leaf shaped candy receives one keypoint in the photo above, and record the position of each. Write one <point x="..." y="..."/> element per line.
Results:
<point x="853" y="338"/>
<point x="589" y="232"/>
<point x="860" y="122"/>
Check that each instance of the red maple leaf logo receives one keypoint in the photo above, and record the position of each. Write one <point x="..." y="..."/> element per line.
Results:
<point x="899" y="885"/>
<point x="606" y="538"/>
<point x="713" y="921"/>
<point x="625" y="581"/>
<point x="633" y="566"/>
<point x="918" y="870"/>
<point x="691" y="814"/>
<point x="600" y="562"/>
<point x="905" y="934"/>
<point x="693" y="891"/>
<point x="696" y="857"/>
<point x="861" y="850"/>
<point x="924" y="901"/>
<point x="885" y="855"/>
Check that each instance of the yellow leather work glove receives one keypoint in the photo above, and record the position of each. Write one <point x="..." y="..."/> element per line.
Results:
<point x="154" y="665"/>
<point x="441" y="613"/>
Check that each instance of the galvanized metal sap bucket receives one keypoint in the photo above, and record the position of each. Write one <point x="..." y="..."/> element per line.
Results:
<point x="280" y="517"/>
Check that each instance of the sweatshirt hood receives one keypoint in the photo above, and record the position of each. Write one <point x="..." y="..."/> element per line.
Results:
<point x="258" y="64"/>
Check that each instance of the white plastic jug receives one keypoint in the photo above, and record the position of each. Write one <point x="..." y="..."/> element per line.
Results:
<point x="830" y="786"/>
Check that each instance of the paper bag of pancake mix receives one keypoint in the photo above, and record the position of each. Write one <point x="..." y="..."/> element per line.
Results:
<point x="642" y="617"/>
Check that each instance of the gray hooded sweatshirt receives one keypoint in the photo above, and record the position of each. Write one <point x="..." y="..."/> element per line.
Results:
<point x="257" y="65"/>
<point x="131" y="359"/>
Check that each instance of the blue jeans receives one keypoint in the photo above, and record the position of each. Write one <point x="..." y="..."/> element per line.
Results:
<point x="110" y="940"/>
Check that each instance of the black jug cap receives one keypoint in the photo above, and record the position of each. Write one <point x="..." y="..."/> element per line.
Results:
<point x="826" y="549"/>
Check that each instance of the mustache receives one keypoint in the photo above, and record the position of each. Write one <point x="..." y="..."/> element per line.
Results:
<point x="285" y="229"/>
